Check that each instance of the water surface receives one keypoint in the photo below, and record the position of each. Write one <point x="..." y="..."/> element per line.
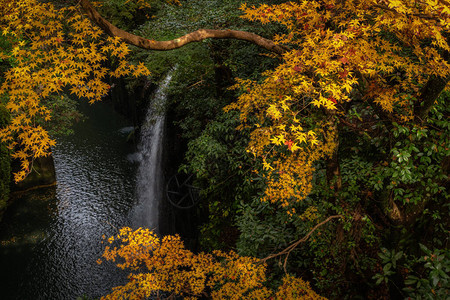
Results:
<point x="51" y="238"/>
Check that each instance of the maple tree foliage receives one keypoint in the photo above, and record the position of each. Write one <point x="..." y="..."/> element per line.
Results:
<point x="52" y="50"/>
<point x="163" y="267"/>
<point x="381" y="52"/>
<point x="390" y="54"/>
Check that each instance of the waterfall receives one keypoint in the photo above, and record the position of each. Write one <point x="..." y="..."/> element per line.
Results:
<point x="150" y="181"/>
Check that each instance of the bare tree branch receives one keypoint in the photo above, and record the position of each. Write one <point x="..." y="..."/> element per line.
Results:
<point x="195" y="36"/>
<point x="289" y="249"/>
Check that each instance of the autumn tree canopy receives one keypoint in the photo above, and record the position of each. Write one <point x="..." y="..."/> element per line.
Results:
<point x="333" y="52"/>
<point x="334" y="57"/>
<point x="51" y="50"/>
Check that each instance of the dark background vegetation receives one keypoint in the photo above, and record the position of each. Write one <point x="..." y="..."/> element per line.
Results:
<point x="375" y="254"/>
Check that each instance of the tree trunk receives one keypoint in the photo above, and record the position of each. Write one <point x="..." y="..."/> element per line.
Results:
<point x="430" y="92"/>
<point x="333" y="169"/>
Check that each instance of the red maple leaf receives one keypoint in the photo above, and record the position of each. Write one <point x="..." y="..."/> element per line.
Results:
<point x="289" y="144"/>
<point x="343" y="60"/>
<point x="332" y="100"/>
<point x="343" y="74"/>
<point x="351" y="51"/>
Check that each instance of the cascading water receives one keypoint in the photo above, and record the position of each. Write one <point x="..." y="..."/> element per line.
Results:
<point x="149" y="185"/>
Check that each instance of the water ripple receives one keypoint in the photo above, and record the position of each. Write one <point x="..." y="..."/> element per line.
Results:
<point x="51" y="240"/>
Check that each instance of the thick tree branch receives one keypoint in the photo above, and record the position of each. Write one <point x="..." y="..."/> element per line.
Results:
<point x="430" y="92"/>
<point x="333" y="169"/>
<point x="195" y="36"/>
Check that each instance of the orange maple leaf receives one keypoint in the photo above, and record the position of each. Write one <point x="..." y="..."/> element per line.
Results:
<point x="289" y="144"/>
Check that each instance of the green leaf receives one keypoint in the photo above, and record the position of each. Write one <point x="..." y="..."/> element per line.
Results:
<point x="424" y="248"/>
<point x="435" y="281"/>
<point x="387" y="267"/>
<point x="410" y="281"/>
<point x="398" y="255"/>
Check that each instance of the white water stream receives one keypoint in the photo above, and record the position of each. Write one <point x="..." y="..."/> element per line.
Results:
<point x="150" y="178"/>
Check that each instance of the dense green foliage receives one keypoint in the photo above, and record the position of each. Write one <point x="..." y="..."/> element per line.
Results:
<point x="376" y="252"/>
<point x="390" y="186"/>
<point x="66" y="114"/>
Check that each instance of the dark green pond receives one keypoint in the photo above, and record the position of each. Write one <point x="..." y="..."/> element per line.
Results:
<point x="50" y="239"/>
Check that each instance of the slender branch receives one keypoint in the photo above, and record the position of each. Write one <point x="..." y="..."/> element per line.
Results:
<point x="289" y="249"/>
<point x="196" y="36"/>
<point x="197" y="83"/>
